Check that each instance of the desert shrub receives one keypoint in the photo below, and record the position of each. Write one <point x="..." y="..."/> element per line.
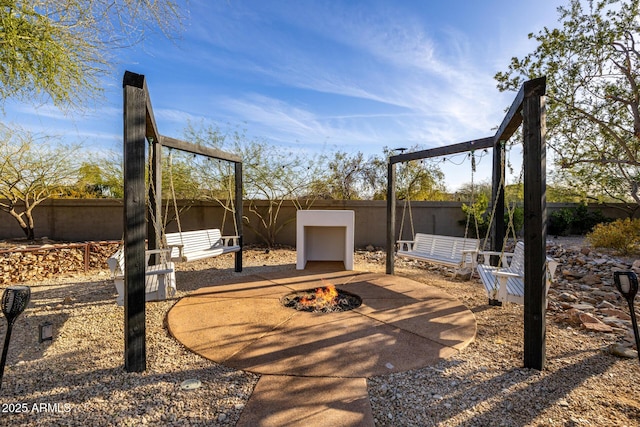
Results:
<point x="584" y="220"/>
<point x="578" y="220"/>
<point x="560" y="222"/>
<point x="621" y="235"/>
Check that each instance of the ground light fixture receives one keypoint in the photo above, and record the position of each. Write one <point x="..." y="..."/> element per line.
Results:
<point x="45" y="332"/>
<point x="14" y="301"/>
<point x="627" y="284"/>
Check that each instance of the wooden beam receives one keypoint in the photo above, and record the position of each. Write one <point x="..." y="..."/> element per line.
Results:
<point x="238" y="214"/>
<point x="154" y="225"/>
<point x="535" y="211"/>
<point x="497" y="198"/>
<point x="135" y="226"/>
<point x="198" y="149"/>
<point x="391" y="216"/>
<point x="513" y="118"/>
<point x="476" y="144"/>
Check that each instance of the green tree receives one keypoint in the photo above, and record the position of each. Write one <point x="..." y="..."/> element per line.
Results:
<point x="31" y="171"/>
<point x="61" y="49"/>
<point x="592" y="66"/>
<point x="98" y="177"/>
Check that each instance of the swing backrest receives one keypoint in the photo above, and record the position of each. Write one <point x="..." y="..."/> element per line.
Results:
<point x="446" y="247"/>
<point x="517" y="260"/>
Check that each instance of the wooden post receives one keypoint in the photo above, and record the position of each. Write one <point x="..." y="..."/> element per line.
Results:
<point x="391" y="216"/>
<point x="154" y="221"/>
<point x="533" y="129"/>
<point x="134" y="219"/>
<point x="238" y="213"/>
<point x="497" y="197"/>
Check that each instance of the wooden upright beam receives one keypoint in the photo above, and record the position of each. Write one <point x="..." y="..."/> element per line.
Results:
<point x="238" y="214"/>
<point x="391" y="216"/>
<point x="134" y="220"/>
<point x="154" y="226"/>
<point x="497" y="197"/>
<point x="535" y="219"/>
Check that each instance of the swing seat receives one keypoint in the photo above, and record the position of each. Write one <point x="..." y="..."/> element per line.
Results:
<point x="200" y="244"/>
<point x="159" y="281"/>
<point x="446" y="250"/>
<point x="505" y="282"/>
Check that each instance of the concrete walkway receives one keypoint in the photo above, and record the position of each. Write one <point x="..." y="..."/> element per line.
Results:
<point x="314" y="366"/>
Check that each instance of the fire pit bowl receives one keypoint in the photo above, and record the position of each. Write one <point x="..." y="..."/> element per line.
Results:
<point x="325" y="299"/>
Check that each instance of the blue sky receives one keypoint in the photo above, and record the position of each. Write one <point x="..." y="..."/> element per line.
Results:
<point x="321" y="76"/>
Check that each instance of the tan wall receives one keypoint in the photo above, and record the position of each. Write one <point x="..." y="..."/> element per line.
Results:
<point x="101" y="219"/>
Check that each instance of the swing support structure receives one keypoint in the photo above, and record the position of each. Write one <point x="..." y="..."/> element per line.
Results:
<point x="140" y="127"/>
<point x="528" y="109"/>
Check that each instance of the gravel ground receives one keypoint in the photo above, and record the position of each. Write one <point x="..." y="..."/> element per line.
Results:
<point x="79" y="380"/>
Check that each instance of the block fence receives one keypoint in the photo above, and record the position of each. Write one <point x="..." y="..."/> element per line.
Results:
<point x="79" y="220"/>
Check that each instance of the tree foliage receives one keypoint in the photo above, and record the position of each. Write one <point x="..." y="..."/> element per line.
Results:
<point x="592" y="64"/>
<point x="61" y="49"/>
<point x="30" y="173"/>
<point x="276" y="176"/>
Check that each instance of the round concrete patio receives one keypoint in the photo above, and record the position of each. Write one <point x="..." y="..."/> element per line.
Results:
<point x="401" y="325"/>
<point x="314" y="366"/>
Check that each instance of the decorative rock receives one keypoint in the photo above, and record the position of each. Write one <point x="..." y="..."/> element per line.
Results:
<point x="597" y="327"/>
<point x="591" y="279"/>
<point x="567" y="297"/>
<point x="583" y="306"/>
<point x="615" y="312"/>
<point x="622" y="351"/>
<point x="463" y="274"/>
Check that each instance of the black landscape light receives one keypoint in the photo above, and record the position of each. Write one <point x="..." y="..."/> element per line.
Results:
<point x="627" y="284"/>
<point x="14" y="302"/>
<point x="45" y="332"/>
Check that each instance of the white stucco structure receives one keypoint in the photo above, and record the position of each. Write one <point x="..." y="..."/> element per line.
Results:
<point x="325" y="235"/>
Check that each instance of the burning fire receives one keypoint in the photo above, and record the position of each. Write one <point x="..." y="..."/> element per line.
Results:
<point x="322" y="297"/>
<point x="325" y="299"/>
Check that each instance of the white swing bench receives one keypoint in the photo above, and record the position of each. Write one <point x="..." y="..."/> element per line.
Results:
<point x="159" y="282"/>
<point x="505" y="282"/>
<point x="446" y="250"/>
<point x="200" y="244"/>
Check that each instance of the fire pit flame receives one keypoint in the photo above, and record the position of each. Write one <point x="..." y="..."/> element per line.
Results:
<point x="325" y="299"/>
<point x="322" y="297"/>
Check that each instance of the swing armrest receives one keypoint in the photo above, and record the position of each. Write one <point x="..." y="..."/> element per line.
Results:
<point x="487" y="254"/>
<point x="180" y="249"/>
<point x="473" y="253"/>
<point x="230" y="241"/>
<point x="165" y="254"/>
<point x="405" y="245"/>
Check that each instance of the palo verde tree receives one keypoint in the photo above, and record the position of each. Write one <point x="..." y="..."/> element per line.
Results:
<point x="419" y="179"/>
<point x="30" y="173"/>
<point x="59" y="50"/>
<point x="592" y="64"/>
<point x="272" y="178"/>
<point x="347" y="177"/>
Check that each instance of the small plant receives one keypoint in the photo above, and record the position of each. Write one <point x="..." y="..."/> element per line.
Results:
<point x="621" y="235"/>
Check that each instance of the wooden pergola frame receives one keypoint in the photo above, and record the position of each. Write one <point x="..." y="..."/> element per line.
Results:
<point x="528" y="109"/>
<point x="140" y="127"/>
